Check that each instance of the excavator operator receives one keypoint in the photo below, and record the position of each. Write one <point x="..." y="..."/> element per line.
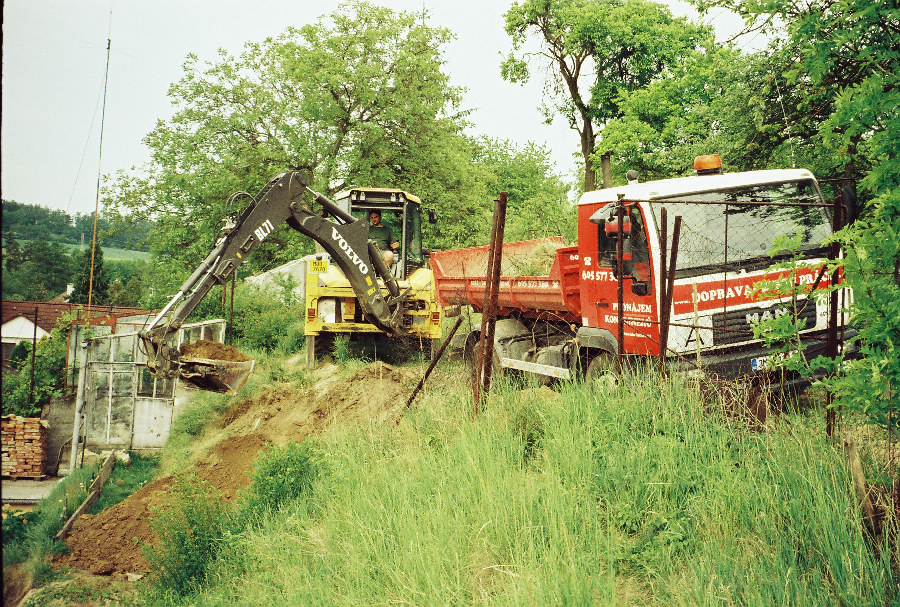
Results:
<point x="382" y="236"/>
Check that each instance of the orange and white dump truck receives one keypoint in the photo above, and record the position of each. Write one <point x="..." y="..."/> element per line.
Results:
<point x="566" y="321"/>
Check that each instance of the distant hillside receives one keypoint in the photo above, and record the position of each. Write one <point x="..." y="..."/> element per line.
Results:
<point x="32" y="222"/>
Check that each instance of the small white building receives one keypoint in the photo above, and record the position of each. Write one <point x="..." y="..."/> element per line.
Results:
<point x="19" y="329"/>
<point x="26" y="321"/>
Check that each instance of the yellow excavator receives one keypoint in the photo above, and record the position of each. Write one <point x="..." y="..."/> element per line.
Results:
<point x="360" y="294"/>
<point x="332" y="302"/>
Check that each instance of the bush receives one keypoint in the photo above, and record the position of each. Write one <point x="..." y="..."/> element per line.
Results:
<point x="194" y="528"/>
<point x="263" y="321"/>
<point x="15" y="525"/>
<point x="49" y="376"/>
<point x="20" y="353"/>
<point x="29" y="537"/>
<point x="191" y="529"/>
<point x="280" y="474"/>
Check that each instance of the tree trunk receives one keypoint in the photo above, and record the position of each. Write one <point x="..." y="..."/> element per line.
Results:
<point x="587" y="148"/>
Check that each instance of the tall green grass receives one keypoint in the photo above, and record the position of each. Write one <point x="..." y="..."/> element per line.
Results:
<point x="32" y="543"/>
<point x="125" y="480"/>
<point x="648" y="494"/>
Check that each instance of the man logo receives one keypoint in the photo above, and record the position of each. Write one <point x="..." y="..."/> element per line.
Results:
<point x="754" y="318"/>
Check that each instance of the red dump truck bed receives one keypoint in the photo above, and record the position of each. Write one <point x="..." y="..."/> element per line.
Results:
<point x="460" y="278"/>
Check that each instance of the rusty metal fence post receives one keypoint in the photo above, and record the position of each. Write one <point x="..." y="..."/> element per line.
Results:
<point x="667" y="283"/>
<point x="620" y="215"/>
<point x="832" y="346"/>
<point x="482" y="380"/>
<point x="434" y="361"/>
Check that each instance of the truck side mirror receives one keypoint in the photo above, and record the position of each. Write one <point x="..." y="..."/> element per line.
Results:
<point x="639" y="288"/>
<point x="611" y="227"/>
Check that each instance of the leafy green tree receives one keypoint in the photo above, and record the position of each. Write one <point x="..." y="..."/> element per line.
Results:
<point x="82" y="279"/>
<point x="845" y="52"/>
<point x="32" y="222"/>
<point x="357" y="98"/>
<point x="49" y="376"/>
<point x="710" y="103"/>
<point x="538" y="203"/>
<point x="42" y="275"/>
<point x="12" y="252"/>
<point x="20" y="352"/>
<point x="593" y="52"/>
<point x="124" y="269"/>
<point x="134" y="291"/>
<point x="126" y="294"/>
<point x="116" y="292"/>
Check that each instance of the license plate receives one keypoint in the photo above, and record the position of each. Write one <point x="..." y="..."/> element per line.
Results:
<point x="759" y="364"/>
<point x="318" y="266"/>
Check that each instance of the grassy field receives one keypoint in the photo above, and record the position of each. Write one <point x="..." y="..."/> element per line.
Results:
<point x="113" y="254"/>
<point x="109" y="253"/>
<point x="648" y="494"/>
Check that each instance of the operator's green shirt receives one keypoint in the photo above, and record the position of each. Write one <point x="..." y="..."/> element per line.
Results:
<point x="382" y="236"/>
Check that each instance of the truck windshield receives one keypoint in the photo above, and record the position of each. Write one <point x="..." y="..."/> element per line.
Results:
<point x="738" y="228"/>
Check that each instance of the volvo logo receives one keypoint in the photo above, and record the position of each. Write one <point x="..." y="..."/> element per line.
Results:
<point x="351" y="254"/>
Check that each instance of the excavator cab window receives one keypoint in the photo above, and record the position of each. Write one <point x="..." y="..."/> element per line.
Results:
<point x="413" y="236"/>
<point x="404" y="218"/>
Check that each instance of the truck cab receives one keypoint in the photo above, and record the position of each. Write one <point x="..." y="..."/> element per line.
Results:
<point x="731" y="226"/>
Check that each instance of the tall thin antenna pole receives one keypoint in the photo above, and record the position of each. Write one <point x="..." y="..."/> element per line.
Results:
<point x="99" y="172"/>
<point x="787" y="125"/>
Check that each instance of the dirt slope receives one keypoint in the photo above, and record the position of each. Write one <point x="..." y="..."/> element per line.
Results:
<point x="109" y="542"/>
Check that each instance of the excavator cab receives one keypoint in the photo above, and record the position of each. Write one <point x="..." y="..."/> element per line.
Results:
<point x="401" y="212"/>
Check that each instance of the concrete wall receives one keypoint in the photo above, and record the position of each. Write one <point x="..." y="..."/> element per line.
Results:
<point x="59" y="414"/>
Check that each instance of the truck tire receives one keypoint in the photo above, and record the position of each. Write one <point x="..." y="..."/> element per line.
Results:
<point x="601" y="371"/>
<point x="470" y="355"/>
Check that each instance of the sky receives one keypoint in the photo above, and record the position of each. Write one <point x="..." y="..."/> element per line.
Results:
<point x="55" y="58"/>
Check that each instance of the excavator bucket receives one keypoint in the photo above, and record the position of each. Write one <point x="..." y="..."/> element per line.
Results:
<point x="223" y="376"/>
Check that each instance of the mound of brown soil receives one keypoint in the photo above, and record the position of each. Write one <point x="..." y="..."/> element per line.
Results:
<point x="16" y="582"/>
<point x="110" y="541"/>
<point x="376" y="392"/>
<point x="212" y="350"/>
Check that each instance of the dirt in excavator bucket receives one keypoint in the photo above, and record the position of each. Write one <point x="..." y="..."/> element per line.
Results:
<point x="213" y="366"/>
<point x="212" y="350"/>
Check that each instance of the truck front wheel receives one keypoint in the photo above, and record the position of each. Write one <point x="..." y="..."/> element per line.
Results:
<point x="601" y="371"/>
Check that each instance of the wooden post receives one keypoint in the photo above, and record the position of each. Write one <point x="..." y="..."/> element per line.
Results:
<point x="93" y="495"/>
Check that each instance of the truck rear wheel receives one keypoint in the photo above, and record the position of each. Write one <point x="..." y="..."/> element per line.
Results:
<point x="470" y="355"/>
<point x="601" y="371"/>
